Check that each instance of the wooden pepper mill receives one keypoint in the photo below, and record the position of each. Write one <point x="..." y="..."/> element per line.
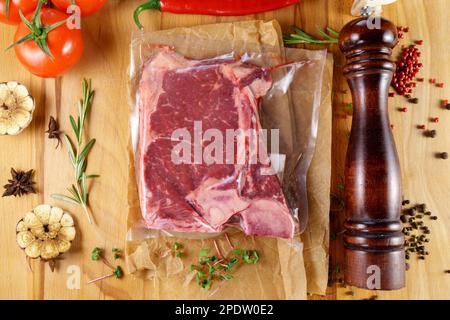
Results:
<point x="373" y="239"/>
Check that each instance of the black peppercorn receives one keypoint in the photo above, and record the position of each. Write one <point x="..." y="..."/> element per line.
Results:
<point x="421" y="207"/>
<point x="443" y="155"/>
<point x="405" y="202"/>
<point x="414" y="100"/>
<point x="447" y="106"/>
<point x="430" y="133"/>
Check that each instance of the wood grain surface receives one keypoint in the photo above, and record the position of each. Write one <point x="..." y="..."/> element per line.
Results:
<point x="107" y="36"/>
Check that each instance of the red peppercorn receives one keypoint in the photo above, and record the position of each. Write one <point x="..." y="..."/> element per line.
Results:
<point x="392" y="126"/>
<point x="407" y="68"/>
<point x="432" y="81"/>
<point x="421" y="126"/>
<point x="420" y="79"/>
<point x="440" y="85"/>
<point x="419" y="42"/>
<point x="391" y="94"/>
<point x="404" y="109"/>
<point x="435" y="119"/>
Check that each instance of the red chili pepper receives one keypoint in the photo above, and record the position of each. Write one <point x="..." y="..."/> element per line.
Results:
<point x="212" y="7"/>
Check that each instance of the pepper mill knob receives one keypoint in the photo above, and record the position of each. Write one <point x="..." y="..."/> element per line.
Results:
<point x="373" y="238"/>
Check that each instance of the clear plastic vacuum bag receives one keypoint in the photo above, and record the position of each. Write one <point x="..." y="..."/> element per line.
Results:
<point x="222" y="140"/>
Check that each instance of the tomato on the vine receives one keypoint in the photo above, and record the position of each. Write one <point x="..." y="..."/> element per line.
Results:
<point x="9" y="9"/>
<point x="47" y="47"/>
<point x="87" y="7"/>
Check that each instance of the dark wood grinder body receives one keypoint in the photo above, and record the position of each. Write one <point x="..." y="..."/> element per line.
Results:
<point x="373" y="239"/>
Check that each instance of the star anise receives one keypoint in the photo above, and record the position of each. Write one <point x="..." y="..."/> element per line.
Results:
<point x="21" y="183"/>
<point x="53" y="130"/>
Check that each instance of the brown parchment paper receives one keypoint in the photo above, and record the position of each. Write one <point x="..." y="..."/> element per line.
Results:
<point x="316" y="236"/>
<point x="280" y="274"/>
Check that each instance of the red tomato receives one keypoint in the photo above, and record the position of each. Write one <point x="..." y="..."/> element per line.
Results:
<point x="66" y="46"/>
<point x="13" y="17"/>
<point x="87" y="7"/>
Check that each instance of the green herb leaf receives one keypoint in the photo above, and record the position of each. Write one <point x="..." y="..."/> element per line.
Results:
<point x="116" y="253"/>
<point x="226" y="277"/>
<point x="212" y="269"/>
<point x="86" y="149"/>
<point x="250" y="256"/>
<point x="96" y="254"/>
<point x="64" y="198"/>
<point x="203" y="253"/>
<point x="74" y="125"/>
<point x="199" y="276"/>
<point x="206" y="284"/>
<point x="118" y="272"/>
<point x="71" y="150"/>
<point x="231" y="264"/>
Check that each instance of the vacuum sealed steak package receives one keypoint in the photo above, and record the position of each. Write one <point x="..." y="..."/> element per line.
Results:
<point x="224" y="125"/>
<point x="216" y="138"/>
<point x="206" y="180"/>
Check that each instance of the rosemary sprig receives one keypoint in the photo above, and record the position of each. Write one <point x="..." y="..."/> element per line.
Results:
<point x="331" y="37"/>
<point x="78" y="153"/>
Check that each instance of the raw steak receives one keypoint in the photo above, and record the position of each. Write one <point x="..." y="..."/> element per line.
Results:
<point x="222" y="93"/>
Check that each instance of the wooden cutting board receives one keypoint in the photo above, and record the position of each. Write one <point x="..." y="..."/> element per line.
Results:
<point x="107" y="36"/>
